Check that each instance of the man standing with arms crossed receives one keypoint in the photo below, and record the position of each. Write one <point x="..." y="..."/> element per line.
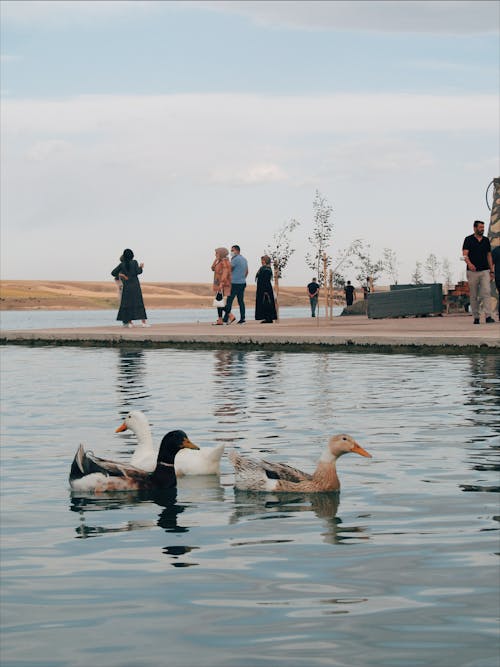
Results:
<point x="239" y="273"/>
<point x="476" y="250"/>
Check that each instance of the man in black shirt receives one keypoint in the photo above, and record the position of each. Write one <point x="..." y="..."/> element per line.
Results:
<point x="313" y="292"/>
<point x="476" y="250"/>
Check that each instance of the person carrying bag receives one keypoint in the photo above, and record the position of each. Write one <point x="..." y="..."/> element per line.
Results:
<point x="222" y="281"/>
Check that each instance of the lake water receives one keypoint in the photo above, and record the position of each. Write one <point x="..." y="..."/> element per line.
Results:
<point x="47" y="319"/>
<point x="400" y="570"/>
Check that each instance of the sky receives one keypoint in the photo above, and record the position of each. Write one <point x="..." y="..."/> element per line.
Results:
<point x="173" y="128"/>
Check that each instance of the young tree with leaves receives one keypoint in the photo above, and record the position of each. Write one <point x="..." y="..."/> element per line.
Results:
<point x="416" y="277"/>
<point x="389" y="260"/>
<point x="447" y="273"/>
<point x="320" y="237"/>
<point x="280" y="252"/>
<point x="368" y="269"/>
<point x="432" y="267"/>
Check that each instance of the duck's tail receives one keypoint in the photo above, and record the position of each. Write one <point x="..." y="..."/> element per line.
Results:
<point x="215" y="453"/>
<point x="82" y="465"/>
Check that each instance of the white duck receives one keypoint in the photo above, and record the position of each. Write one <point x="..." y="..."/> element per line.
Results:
<point x="251" y="475"/>
<point x="206" y="461"/>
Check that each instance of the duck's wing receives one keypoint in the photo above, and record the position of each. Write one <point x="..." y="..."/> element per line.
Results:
<point x="86" y="463"/>
<point x="284" y="472"/>
<point x="280" y="471"/>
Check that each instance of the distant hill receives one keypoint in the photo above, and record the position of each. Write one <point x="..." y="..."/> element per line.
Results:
<point x="75" y="295"/>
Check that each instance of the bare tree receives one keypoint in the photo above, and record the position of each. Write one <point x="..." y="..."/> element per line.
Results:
<point x="432" y="267"/>
<point x="280" y="249"/>
<point x="390" y="264"/>
<point x="320" y="237"/>
<point x="416" y="277"/>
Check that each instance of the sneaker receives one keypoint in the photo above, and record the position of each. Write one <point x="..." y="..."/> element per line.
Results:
<point x="476" y="320"/>
<point x="145" y="324"/>
<point x="130" y="325"/>
<point x="489" y="320"/>
<point x="241" y="321"/>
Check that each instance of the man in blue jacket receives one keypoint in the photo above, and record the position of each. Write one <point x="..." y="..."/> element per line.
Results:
<point x="239" y="273"/>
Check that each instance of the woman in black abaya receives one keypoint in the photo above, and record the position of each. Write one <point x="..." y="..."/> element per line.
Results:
<point x="132" y="304"/>
<point x="265" y="307"/>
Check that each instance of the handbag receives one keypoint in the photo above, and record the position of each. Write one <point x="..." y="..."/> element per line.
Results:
<point x="219" y="300"/>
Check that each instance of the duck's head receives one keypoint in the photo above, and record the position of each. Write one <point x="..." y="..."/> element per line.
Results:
<point x="343" y="444"/>
<point x="171" y="444"/>
<point x="135" y="421"/>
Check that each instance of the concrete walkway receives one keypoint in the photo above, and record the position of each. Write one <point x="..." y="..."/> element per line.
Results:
<point x="447" y="333"/>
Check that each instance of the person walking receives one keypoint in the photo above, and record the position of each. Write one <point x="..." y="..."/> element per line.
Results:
<point x="495" y="255"/>
<point x="131" y="303"/>
<point x="313" y="292"/>
<point x="239" y="273"/>
<point x="476" y="250"/>
<point x="350" y="294"/>
<point x="222" y="278"/>
<point x="265" y="306"/>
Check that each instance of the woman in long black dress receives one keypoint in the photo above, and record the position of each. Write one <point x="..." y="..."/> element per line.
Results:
<point x="265" y="307"/>
<point x="132" y="304"/>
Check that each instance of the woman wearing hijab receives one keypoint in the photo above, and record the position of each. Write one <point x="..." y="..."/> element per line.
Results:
<point x="131" y="304"/>
<point x="222" y="278"/>
<point x="265" y="307"/>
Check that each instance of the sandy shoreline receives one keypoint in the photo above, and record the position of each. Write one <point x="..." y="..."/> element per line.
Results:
<point x="93" y="295"/>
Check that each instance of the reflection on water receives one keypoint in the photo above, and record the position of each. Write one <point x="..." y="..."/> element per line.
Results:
<point x="482" y="398"/>
<point x="230" y="385"/>
<point x="404" y="558"/>
<point x="130" y="380"/>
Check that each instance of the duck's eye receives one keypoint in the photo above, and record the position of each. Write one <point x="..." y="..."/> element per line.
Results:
<point x="345" y="439"/>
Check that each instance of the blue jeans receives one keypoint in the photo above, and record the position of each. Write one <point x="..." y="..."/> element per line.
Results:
<point x="237" y="290"/>
<point x="314" y="303"/>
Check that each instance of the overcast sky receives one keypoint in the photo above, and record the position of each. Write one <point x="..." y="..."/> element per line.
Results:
<point x="176" y="127"/>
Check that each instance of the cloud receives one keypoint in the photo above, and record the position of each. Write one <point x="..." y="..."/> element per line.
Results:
<point x="59" y="13"/>
<point x="9" y="58"/>
<point x="201" y="169"/>
<point x="43" y="150"/>
<point x="189" y="119"/>
<point x="432" y="16"/>
<point x="256" y="174"/>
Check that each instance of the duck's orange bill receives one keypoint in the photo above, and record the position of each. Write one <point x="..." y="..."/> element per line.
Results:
<point x="362" y="452"/>
<point x="187" y="444"/>
<point x="121" y="428"/>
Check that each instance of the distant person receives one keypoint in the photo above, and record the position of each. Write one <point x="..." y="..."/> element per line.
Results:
<point x="350" y="294"/>
<point x="265" y="306"/>
<point x="239" y="273"/>
<point x="221" y="267"/>
<point x="313" y="293"/>
<point x="366" y="289"/>
<point x="131" y="304"/>
<point x="476" y="250"/>
<point x="495" y="255"/>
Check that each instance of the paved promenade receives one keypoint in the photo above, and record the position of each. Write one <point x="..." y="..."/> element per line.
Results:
<point x="446" y="333"/>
